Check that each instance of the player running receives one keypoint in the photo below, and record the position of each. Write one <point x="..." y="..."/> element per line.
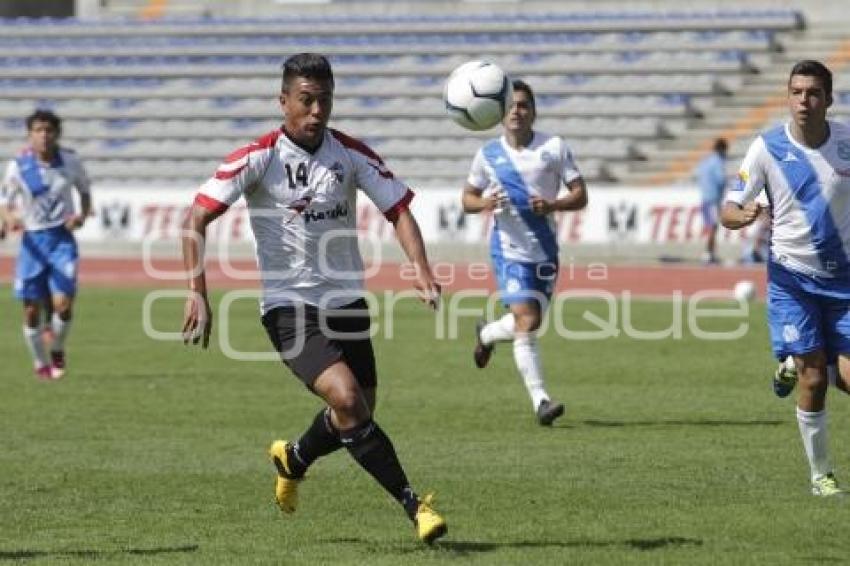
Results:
<point x="804" y="168"/>
<point x="518" y="177"/>
<point x="300" y="185"/>
<point x="40" y="182"/>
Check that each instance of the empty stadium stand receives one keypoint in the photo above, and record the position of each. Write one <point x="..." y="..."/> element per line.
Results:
<point x="635" y="92"/>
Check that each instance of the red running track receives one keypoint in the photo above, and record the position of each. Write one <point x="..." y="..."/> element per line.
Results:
<point x="657" y="280"/>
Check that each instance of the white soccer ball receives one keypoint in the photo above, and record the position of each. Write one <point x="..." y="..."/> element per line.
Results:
<point x="477" y="95"/>
<point x="745" y="290"/>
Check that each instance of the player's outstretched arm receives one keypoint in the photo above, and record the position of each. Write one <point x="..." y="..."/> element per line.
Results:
<point x="197" y="315"/>
<point x="734" y="216"/>
<point x="410" y="238"/>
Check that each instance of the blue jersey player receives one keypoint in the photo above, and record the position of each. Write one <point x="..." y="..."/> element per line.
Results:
<point x="804" y="169"/>
<point x="518" y="177"/>
<point x="38" y="197"/>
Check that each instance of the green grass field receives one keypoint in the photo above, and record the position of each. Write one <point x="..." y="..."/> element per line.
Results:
<point x="671" y="452"/>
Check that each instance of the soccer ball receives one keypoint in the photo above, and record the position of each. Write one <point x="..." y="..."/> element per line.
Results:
<point x="477" y="95"/>
<point x="745" y="290"/>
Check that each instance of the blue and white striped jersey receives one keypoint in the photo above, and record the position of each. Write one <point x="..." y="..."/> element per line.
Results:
<point x="540" y="169"/>
<point x="809" y="193"/>
<point x="44" y="192"/>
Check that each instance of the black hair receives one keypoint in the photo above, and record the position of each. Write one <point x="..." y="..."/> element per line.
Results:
<point x="812" y="68"/>
<point x="44" y="116"/>
<point x="524" y="87"/>
<point x="720" y="145"/>
<point x="307" y="65"/>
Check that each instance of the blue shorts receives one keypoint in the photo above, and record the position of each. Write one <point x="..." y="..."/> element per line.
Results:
<point x="47" y="264"/>
<point x="709" y="214"/>
<point x="521" y="282"/>
<point x="807" y="314"/>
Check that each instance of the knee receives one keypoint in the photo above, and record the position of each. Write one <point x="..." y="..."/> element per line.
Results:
<point x="813" y="372"/>
<point x="526" y="323"/>
<point x="63" y="309"/>
<point x="31" y="316"/>
<point x="351" y="407"/>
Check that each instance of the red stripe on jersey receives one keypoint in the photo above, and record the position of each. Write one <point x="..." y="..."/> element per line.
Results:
<point x="225" y="175"/>
<point x="361" y="147"/>
<point x="392" y="213"/>
<point x="210" y="203"/>
<point x="265" y="142"/>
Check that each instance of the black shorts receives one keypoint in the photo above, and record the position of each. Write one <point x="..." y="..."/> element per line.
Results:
<point x="311" y="340"/>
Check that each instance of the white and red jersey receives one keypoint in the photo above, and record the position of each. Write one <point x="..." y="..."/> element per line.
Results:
<point x="302" y="208"/>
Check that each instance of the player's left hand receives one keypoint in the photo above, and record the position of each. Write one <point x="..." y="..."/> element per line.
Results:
<point x="540" y="206"/>
<point x="428" y="289"/>
<point x="197" y="319"/>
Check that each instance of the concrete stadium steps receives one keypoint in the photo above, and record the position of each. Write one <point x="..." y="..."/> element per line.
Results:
<point x="564" y="43"/>
<point x="759" y="103"/>
<point x="447" y="22"/>
<point x="415" y="171"/>
<point x="615" y="83"/>
<point x="78" y="133"/>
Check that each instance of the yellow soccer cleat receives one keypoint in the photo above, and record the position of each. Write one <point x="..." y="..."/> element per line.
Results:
<point x="429" y="525"/>
<point x="826" y="486"/>
<point x="286" y="484"/>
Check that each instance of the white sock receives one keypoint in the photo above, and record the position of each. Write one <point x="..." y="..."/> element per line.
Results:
<point x="527" y="360"/>
<point x="500" y="330"/>
<point x="60" y="332"/>
<point x="32" y="336"/>
<point x="813" y="431"/>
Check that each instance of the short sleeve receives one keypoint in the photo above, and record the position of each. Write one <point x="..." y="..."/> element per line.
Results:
<point x="569" y="169"/>
<point x="751" y="175"/>
<point x="479" y="177"/>
<point x="236" y="174"/>
<point x="80" y="175"/>
<point x="374" y="178"/>
<point x="10" y="185"/>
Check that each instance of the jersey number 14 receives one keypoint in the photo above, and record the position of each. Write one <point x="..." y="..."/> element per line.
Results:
<point x="299" y="177"/>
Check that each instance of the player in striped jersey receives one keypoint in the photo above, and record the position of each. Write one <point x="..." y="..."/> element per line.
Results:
<point x="804" y="169"/>
<point x="300" y="183"/>
<point x="519" y="177"/>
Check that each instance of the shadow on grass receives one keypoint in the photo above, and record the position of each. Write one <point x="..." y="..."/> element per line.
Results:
<point x="465" y="548"/>
<point x="684" y="422"/>
<point x="95" y="554"/>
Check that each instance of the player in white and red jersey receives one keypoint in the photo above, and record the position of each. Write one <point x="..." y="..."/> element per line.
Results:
<point x="300" y="184"/>
<point x="40" y="183"/>
<point x="519" y="178"/>
<point x="803" y="167"/>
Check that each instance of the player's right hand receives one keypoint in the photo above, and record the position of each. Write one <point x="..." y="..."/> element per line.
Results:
<point x="197" y="319"/>
<point x="495" y="200"/>
<point x="750" y="211"/>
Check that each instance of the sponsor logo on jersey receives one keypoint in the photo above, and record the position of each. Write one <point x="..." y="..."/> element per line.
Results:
<point x="789" y="157"/>
<point x="338" y="211"/>
<point x="547" y="157"/>
<point x="338" y="171"/>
